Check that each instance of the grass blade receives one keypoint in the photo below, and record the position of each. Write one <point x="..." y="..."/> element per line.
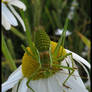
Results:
<point x="7" y="55"/>
<point x="62" y="39"/>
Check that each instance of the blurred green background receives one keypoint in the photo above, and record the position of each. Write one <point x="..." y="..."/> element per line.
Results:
<point x="51" y="15"/>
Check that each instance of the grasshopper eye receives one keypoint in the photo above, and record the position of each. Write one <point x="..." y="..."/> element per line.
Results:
<point x="42" y="41"/>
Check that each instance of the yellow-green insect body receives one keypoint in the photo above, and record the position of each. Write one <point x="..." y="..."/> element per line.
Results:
<point x="42" y="43"/>
<point x="47" y="64"/>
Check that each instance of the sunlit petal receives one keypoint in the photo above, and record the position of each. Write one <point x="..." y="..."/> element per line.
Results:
<point x="15" y="88"/>
<point x="75" y="84"/>
<point x="17" y="73"/>
<point x="9" y="84"/>
<point x="12" y="80"/>
<point x="18" y="16"/>
<point x="78" y="58"/>
<point x="23" y="86"/>
<point x="9" y="16"/>
<point x="39" y="85"/>
<point x="5" y="23"/>
<point x="18" y="4"/>
<point x="53" y="85"/>
<point x="59" y="32"/>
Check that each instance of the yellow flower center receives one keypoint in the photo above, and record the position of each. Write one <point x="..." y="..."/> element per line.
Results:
<point x="29" y="65"/>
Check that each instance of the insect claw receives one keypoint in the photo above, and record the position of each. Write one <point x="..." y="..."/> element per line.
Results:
<point x="66" y="86"/>
<point x="75" y="68"/>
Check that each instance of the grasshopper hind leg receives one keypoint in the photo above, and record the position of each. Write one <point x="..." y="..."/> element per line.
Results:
<point x="70" y="73"/>
<point x="72" y="68"/>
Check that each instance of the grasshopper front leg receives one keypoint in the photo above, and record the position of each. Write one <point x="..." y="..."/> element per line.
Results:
<point x="31" y="79"/>
<point x="34" y="74"/>
<point x="61" y="58"/>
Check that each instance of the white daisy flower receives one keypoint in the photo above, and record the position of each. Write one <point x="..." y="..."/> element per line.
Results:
<point x="8" y="17"/>
<point x="60" y="31"/>
<point x="85" y="52"/>
<point x="72" y="9"/>
<point x="54" y="83"/>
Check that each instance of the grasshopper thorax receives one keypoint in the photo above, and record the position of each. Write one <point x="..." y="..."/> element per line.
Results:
<point x="42" y="40"/>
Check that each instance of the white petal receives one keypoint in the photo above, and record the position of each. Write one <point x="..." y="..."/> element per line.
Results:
<point x="17" y="73"/>
<point x="84" y="53"/>
<point x="5" y="23"/>
<point x="75" y="84"/>
<point x="53" y="85"/>
<point x="18" y="16"/>
<point x="70" y="15"/>
<point x="9" y="84"/>
<point x="87" y="84"/>
<point x="42" y="86"/>
<point x="70" y="65"/>
<point x="18" y="3"/>
<point x="59" y="32"/>
<point x="22" y="86"/>
<point x="9" y="16"/>
<point x="78" y="58"/>
<point x="12" y="80"/>
<point x="85" y="70"/>
<point x="39" y="85"/>
<point x="14" y="89"/>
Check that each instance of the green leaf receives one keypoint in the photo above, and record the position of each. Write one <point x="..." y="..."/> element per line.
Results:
<point x="85" y="40"/>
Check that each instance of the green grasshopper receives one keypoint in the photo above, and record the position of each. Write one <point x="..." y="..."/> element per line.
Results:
<point x="42" y="54"/>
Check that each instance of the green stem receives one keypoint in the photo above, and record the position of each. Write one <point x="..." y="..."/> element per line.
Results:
<point x="62" y="39"/>
<point x="19" y="34"/>
<point x="50" y="17"/>
<point x="7" y="54"/>
<point x="28" y="32"/>
<point x="10" y="47"/>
